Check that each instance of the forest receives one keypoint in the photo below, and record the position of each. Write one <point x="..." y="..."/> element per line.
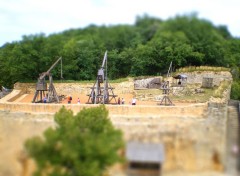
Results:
<point x="145" y="48"/>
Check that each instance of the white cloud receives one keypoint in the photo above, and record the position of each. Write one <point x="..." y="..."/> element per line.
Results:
<point x="24" y="17"/>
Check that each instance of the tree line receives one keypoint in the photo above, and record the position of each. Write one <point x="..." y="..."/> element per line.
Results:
<point x="145" y="48"/>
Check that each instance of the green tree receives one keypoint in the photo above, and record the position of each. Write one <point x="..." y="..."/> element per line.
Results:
<point x="235" y="91"/>
<point x="145" y="48"/>
<point x="147" y="26"/>
<point x="203" y="36"/>
<point x="82" y="145"/>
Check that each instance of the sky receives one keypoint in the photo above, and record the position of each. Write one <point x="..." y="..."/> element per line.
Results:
<point x="31" y="17"/>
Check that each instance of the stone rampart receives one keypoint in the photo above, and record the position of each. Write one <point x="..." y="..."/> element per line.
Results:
<point x="81" y="88"/>
<point x="195" y="110"/>
<point x="192" y="144"/>
<point x="193" y="136"/>
<point x="148" y="83"/>
<point x="196" y="77"/>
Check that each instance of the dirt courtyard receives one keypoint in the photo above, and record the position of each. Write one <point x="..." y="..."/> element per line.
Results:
<point x="84" y="100"/>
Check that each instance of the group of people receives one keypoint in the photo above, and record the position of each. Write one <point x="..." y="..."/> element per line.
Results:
<point x="121" y="101"/>
<point x="133" y="102"/>
<point x="69" y="99"/>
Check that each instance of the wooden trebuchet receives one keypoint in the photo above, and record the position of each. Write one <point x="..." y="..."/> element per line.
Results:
<point x="102" y="94"/>
<point x="44" y="94"/>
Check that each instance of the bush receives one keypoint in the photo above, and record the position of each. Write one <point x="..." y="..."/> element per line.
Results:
<point x="235" y="91"/>
<point x="83" y="145"/>
<point x="218" y="93"/>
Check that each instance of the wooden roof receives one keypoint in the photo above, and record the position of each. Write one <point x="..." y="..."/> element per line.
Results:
<point x="145" y="152"/>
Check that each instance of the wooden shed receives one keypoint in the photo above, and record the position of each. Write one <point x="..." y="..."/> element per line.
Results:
<point x="145" y="159"/>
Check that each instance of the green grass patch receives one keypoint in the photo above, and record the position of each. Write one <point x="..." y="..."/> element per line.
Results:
<point x="143" y="77"/>
<point x="218" y="93"/>
<point x="235" y="91"/>
<point x="202" y="68"/>
<point x="198" y="98"/>
<point x="77" y="81"/>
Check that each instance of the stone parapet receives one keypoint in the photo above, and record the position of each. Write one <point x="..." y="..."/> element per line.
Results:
<point x="80" y="88"/>
<point x="196" y="77"/>
<point x="195" y="110"/>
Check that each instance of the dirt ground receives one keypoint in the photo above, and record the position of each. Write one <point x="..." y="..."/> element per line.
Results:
<point x="84" y="100"/>
<point x="75" y="96"/>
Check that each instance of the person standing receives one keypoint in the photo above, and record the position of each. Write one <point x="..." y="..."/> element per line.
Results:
<point x="78" y="101"/>
<point x="134" y="101"/>
<point x="45" y="99"/>
<point x="119" y="101"/>
<point x="69" y="99"/>
<point x="123" y="101"/>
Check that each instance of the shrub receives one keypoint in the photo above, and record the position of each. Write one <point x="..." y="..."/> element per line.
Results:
<point x="235" y="91"/>
<point x="218" y="93"/>
<point x="83" y="145"/>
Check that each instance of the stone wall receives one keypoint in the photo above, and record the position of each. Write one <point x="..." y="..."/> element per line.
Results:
<point x="193" y="136"/>
<point x="15" y="128"/>
<point x="195" y="110"/>
<point x="191" y="144"/>
<point x="196" y="77"/>
<point x="233" y="139"/>
<point x="81" y="88"/>
<point x="153" y="82"/>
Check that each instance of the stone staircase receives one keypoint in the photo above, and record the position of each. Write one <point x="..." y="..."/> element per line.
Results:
<point x="232" y="140"/>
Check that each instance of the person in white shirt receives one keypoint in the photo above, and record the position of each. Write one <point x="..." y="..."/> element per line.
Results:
<point x="134" y="101"/>
<point x="123" y="101"/>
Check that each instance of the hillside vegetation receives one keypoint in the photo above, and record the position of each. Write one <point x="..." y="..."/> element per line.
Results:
<point x="145" y="48"/>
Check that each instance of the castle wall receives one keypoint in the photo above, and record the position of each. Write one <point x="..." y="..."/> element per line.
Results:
<point x="197" y="76"/>
<point x="193" y="136"/>
<point x="192" y="144"/>
<point x="81" y="88"/>
<point x="195" y="110"/>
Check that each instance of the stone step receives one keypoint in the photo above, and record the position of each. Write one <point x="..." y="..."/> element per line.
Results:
<point x="232" y="139"/>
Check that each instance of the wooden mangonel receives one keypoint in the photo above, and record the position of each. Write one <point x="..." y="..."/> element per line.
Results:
<point x="166" y="100"/>
<point x="44" y="93"/>
<point x="102" y="94"/>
